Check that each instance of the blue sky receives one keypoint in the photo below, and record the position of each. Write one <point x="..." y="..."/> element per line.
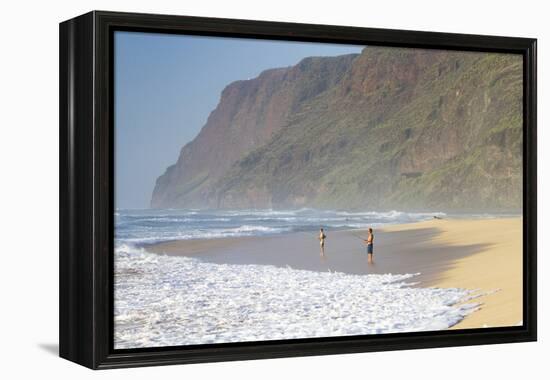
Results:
<point x="167" y="85"/>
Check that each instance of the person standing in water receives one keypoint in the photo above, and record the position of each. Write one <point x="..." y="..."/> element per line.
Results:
<point x="322" y="238"/>
<point x="370" y="245"/>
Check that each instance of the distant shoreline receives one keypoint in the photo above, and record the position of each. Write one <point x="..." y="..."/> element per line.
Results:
<point x="473" y="254"/>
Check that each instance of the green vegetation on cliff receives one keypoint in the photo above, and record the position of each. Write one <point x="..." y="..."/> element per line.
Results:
<point x="390" y="128"/>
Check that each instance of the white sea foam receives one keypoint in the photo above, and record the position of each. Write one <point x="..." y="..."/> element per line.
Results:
<point x="166" y="301"/>
<point x="150" y="235"/>
<point x="148" y="226"/>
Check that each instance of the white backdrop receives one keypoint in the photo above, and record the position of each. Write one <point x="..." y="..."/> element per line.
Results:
<point x="29" y="177"/>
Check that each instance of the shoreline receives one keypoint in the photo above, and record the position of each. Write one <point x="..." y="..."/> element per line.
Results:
<point x="496" y="271"/>
<point x="490" y="261"/>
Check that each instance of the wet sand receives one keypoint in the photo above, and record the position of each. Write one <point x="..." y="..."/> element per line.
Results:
<point x="480" y="254"/>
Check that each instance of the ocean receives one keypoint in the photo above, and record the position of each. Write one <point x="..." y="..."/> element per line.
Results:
<point x="171" y="300"/>
<point x="153" y="226"/>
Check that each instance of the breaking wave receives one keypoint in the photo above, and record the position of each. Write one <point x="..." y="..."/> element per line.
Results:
<point x="147" y="226"/>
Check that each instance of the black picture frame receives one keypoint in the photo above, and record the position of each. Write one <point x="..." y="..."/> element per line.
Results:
<point x="86" y="189"/>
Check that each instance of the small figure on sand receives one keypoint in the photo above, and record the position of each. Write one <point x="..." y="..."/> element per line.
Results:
<point x="370" y="245"/>
<point x="322" y="238"/>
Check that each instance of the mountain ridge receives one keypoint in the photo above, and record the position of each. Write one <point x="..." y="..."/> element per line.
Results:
<point x="388" y="128"/>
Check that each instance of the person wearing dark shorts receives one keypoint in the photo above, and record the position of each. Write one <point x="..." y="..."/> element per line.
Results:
<point x="370" y="245"/>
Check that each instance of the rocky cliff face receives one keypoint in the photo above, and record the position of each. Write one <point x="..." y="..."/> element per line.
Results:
<point x="248" y="114"/>
<point x="389" y="128"/>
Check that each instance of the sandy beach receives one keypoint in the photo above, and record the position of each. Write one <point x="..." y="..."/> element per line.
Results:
<point x="477" y="254"/>
<point x="497" y="266"/>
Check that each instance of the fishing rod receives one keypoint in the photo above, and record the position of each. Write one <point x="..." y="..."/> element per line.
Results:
<point x="309" y="233"/>
<point x="358" y="237"/>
